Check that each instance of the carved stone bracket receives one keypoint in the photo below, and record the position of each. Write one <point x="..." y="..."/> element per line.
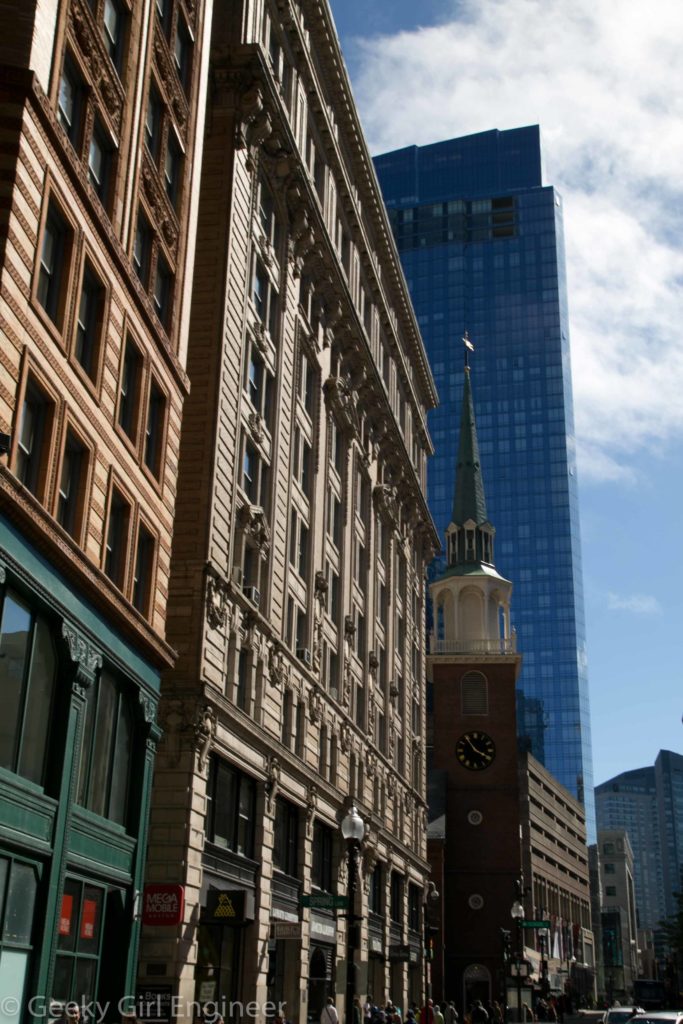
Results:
<point x="204" y="733"/>
<point x="148" y="706"/>
<point x="349" y="628"/>
<point x="272" y="781"/>
<point x="386" y="503"/>
<point x="373" y="664"/>
<point x="254" y="123"/>
<point x="311" y="805"/>
<point x="340" y="398"/>
<point x="344" y="737"/>
<point x="86" y="659"/>
<point x="216" y="600"/>
<point x="253" y="523"/>
<point x="315" y="705"/>
<point x="278" y="667"/>
<point x="371" y="765"/>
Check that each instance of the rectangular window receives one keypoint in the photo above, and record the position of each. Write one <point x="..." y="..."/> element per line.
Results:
<point x="117" y="539"/>
<point x="70" y="102"/>
<point x="154" y="428"/>
<point x="259" y="383"/>
<point x="332" y="593"/>
<point x="231" y="809"/>
<point x="163" y="290"/>
<point x="242" y="689"/>
<point x="144" y="570"/>
<point x="89" y="322"/>
<point x="396" y="904"/>
<point x="70" y="496"/>
<point x="129" y="397"/>
<point x="414" y="900"/>
<point x="33" y="441"/>
<point x="99" y="161"/>
<point x="254" y="475"/>
<point x="335" y="524"/>
<point x="182" y="53"/>
<point x="321" y="874"/>
<point x="172" y="168"/>
<point x="286" y="837"/>
<point x="153" y="123"/>
<point x="113" y="23"/>
<point x="609" y="869"/>
<point x="376" y="890"/>
<point x="142" y="248"/>
<point x="264" y="297"/>
<point x="306" y="382"/>
<point x="52" y="273"/>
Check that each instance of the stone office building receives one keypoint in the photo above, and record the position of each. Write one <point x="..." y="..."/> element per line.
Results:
<point x="301" y="539"/>
<point x="100" y="133"/>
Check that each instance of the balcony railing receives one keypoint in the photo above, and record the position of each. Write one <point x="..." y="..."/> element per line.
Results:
<point x="487" y="646"/>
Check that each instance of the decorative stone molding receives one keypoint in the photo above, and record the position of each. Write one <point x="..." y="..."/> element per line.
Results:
<point x="3" y="573"/>
<point x="86" y="659"/>
<point x="315" y="705"/>
<point x="272" y="781"/>
<point x="204" y="733"/>
<point x="254" y="124"/>
<point x="216" y="600"/>
<point x="93" y="51"/>
<point x="339" y="397"/>
<point x="170" y="79"/>
<point x="346" y="683"/>
<point x="349" y="628"/>
<point x="371" y="765"/>
<point x="344" y="737"/>
<point x="252" y="522"/>
<point x="385" y="499"/>
<point x="159" y="204"/>
<point x="311" y="805"/>
<point x="372" y="715"/>
<point x="256" y="426"/>
<point x="260" y="337"/>
<point x="392" y="742"/>
<point x="373" y="664"/>
<point x="278" y="667"/>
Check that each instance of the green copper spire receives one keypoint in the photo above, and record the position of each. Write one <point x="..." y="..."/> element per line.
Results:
<point x="469" y="501"/>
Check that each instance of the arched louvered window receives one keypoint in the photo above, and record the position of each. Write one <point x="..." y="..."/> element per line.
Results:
<point x="474" y="691"/>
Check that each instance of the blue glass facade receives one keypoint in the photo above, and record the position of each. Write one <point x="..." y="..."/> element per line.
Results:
<point x="481" y="242"/>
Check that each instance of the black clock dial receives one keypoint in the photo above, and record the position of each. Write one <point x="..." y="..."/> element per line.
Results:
<point x="475" y="750"/>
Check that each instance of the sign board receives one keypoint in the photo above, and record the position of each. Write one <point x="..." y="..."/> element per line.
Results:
<point x="535" y="924"/>
<point x="287" y="930"/>
<point x="163" y="904"/>
<point x="228" y="907"/>
<point x="153" y="1003"/>
<point x="324" y="901"/>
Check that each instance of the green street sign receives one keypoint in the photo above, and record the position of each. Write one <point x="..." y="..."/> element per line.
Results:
<point x="535" y="924"/>
<point x="324" y="901"/>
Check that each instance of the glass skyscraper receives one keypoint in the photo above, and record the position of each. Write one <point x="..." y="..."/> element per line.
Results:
<point x="481" y="242"/>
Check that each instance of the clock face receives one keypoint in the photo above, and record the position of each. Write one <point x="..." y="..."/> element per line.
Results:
<point x="475" y="750"/>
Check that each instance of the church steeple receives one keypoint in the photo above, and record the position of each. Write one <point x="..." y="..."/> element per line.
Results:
<point x="471" y="599"/>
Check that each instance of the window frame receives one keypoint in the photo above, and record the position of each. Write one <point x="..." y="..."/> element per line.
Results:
<point x="241" y="780"/>
<point x="33" y="378"/>
<point x="80" y="512"/>
<point x="120" y="579"/>
<point x="54" y="309"/>
<point x="98" y="325"/>
<point x="156" y="469"/>
<point x="144" y="602"/>
<point x="91" y="748"/>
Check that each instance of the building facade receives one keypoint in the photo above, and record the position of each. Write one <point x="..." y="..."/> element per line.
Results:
<point x="619" y="929"/>
<point x="101" y="139"/>
<point x="301" y="539"/>
<point x="482" y="247"/>
<point x="500" y="825"/>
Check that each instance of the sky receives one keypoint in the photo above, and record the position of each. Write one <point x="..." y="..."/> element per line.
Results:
<point x="602" y="79"/>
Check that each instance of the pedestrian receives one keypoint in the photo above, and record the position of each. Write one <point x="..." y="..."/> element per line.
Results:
<point x="528" y="1013"/>
<point x="357" y="1011"/>
<point x="367" y="1010"/>
<point x="329" y="1013"/>
<point x="450" y="1014"/>
<point x="479" y="1014"/>
<point x="427" y="1013"/>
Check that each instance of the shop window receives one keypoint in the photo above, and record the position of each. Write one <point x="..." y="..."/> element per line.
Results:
<point x="182" y="53"/>
<point x="231" y="808"/>
<point x="33" y="441"/>
<point x="79" y="941"/>
<point x="154" y="428"/>
<point x="113" y="29"/>
<point x="29" y="667"/>
<point x="116" y="545"/>
<point x="107" y="750"/>
<point x="71" y="102"/>
<point x="286" y="837"/>
<point x="72" y="481"/>
<point x="52" y="274"/>
<point x="323" y="843"/>
<point x="89" y="322"/>
<point x="130" y="389"/>
<point x="143" y="573"/>
<point x="18" y="888"/>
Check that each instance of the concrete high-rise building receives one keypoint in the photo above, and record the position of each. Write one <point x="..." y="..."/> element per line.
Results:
<point x="301" y="539"/>
<point x="648" y="804"/>
<point x="618" y="917"/>
<point x="481" y="242"/>
<point x="102" y="105"/>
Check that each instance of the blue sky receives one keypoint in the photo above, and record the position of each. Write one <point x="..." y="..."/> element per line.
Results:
<point x="602" y="78"/>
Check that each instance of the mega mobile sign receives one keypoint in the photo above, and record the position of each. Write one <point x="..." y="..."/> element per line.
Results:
<point x="163" y="904"/>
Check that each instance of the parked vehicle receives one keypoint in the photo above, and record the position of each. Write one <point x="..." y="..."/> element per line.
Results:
<point x="621" y="1014"/>
<point x="659" y="1017"/>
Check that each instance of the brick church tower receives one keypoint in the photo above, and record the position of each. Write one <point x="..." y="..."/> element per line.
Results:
<point x="474" y="789"/>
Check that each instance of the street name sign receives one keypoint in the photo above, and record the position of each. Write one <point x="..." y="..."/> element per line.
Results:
<point x="535" y="924"/>
<point x="324" y="901"/>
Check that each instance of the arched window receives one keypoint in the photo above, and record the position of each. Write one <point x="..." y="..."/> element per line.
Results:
<point x="28" y="669"/>
<point x="106" y="754"/>
<point x="474" y="692"/>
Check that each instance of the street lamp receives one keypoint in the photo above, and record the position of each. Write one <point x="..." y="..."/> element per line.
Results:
<point x="353" y="830"/>
<point x="517" y="914"/>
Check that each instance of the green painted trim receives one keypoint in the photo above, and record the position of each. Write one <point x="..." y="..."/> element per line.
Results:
<point x="58" y="593"/>
<point x="27" y="816"/>
<point x="100" y="846"/>
<point x="140" y="864"/>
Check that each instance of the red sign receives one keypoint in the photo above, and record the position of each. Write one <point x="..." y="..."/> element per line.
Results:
<point x="163" y="904"/>
<point x="88" y="917"/>
<point x="65" y="914"/>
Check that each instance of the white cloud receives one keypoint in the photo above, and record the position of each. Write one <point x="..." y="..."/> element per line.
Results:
<point x="641" y="604"/>
<point x="602" y="78"/>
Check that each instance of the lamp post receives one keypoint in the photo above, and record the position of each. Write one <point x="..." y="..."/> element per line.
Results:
<point x="353" y="830"/>
<point x="517" y="914"/>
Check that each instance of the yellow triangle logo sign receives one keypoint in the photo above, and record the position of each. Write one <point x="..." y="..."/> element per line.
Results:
<point x="224" y="907"/>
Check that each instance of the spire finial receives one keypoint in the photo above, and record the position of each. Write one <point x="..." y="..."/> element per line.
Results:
<point x="469" y="347"/>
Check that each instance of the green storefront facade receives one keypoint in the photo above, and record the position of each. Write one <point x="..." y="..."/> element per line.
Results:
<point x="77" y="741"/>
